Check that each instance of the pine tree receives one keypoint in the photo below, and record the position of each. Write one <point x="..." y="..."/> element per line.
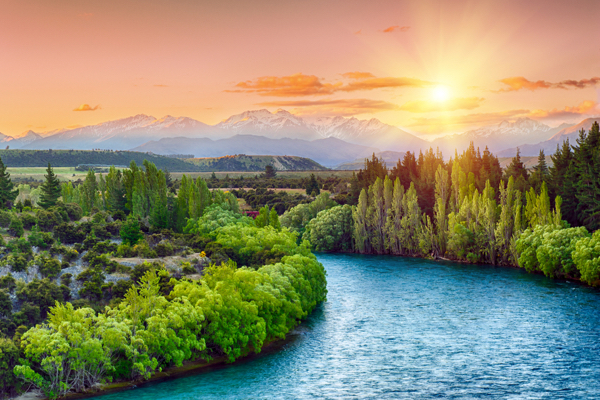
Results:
<point x="540" y="173"/>
<point x="312" y="186"/>
<point x="50" y="189"/>
<point x="270" y="172"/>
<point x="8" y="193"/>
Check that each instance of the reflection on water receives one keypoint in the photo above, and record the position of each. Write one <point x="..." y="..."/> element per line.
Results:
<point x="408" y="328"/>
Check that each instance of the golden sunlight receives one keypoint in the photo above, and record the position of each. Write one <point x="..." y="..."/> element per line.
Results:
<point x="441" y="93"/>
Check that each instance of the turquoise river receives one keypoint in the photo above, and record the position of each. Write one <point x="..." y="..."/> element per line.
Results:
<point x="402" y="328"/>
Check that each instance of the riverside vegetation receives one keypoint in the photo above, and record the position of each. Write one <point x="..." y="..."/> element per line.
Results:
<point x="72" y="317"/>
<point x="466" y="209"/>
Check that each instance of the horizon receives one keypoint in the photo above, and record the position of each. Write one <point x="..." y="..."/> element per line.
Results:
<point x="432" y="69"/>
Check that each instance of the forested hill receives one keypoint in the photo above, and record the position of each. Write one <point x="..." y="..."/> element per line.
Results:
<point x="242" y="162"/>
<point x="73" y="158"/>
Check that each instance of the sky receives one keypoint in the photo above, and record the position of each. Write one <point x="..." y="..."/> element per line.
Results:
<point x="430" y="67"/>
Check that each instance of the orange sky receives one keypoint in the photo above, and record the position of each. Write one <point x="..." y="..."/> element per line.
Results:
<point x="428" y="66"/>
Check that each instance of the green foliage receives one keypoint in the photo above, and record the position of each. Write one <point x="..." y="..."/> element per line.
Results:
<point x="16" y="227"/>
<point x="43" y="240"/>
<point x="586" y="257"/>
<point x="331" y="230"/>
<point x="28" y="220"/>
<point x="50" y="267"/>
<point x="214" y="217"/>
<point x="69" y="233"/>
<point x="130" y="231"/>
<point x="312" y="186"/>
<point x="9" y="358"/>
<point x="6" y="218"/>
<point x="50" y="189"/>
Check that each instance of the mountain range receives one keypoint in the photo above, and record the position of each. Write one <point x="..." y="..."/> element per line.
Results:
<point x="327" y="140"/>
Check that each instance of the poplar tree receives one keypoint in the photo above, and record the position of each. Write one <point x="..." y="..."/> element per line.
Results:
<point x="8" y="193"/>
<point x="359" y="215"/>
<point x="51" y="190"/>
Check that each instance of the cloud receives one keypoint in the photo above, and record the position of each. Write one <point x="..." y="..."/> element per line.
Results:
<point x="423" y="106"/>
<point x="287" y="86"/>
<point x="161" y="86"/>
<point x="358" y="75"/>
<point x="396" y="28"/>
<point x="86" y="107"/>
<point x="456" y="122"/>
<point x="586" y="107"/>
<point x="518" y="82"/>
<point x="309" y="85"/>
<point x="345" y="107"/>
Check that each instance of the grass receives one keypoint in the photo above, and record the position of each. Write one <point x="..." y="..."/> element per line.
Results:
<point x="37" y="173"/>
<point x="282" y="174"/>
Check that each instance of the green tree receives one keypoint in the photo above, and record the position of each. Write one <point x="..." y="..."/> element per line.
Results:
<point x="8" y="192"/>
<point x="130" y="231"/>
<point x="51" y="189"/>
<point x="312" y="186"/>
<point x="270" y="172"/>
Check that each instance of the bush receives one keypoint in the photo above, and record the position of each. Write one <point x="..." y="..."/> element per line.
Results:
<point x="101" y="232"/>
<point x="114" y="228"/>
<point x="43" y="240"/>
<point x="141" y="269"/>
<point x="16" y="227"/>
<point x="92" y="280"/>
<point x="187" y="269"/>
<point x="5" y="218"/>
<point x="124" y="250"/>
<point x="28" y="220"/>
<point x="164" y="249"/>
<point x="74" y="211"/>
<point x="69" y="233"/>
<point x="586" y="257"/>
<point x="20" y="245"/>
<point x="104" y="247"/>
<point x="17" y="262"/>
<point x="144" y="251"/>
<point x="48" y="219"/>
<point x="8" y="282"/>
<point x="9" y="358"/>
<point x="50" y="268"/>
<point x="100" y="217"/>
<point x="121" y="287"/>
<point x="65" y="279"/>
<point x="90" y="241"/>
<point x="119" y="215"/>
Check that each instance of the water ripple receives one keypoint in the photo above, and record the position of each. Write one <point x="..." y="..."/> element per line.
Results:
<point x="397" y="328"/>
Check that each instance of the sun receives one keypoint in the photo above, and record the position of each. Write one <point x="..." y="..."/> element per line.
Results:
<point x="441" y="93"/>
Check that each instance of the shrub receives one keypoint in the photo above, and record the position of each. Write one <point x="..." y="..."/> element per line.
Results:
<point x="17" y="262"/>
<point x="28" y="220"/>
<point x="104" y="247"/>
<point x="69" y="233"/>
<point x="164" y="249"/>
<point x="124" y="250"/>
<point x="20" y="245"/>
<point x="140" y="270"/>
<point x="5" y="218"/>
<point x="74" y="211"/>
<point x="66" y="279"/>
<point x="119" y="215"/>
<point x="8" y="282"/>
<point x="43" y="240"/>
<point x="121" y="287"/>
<point x="16" y="227"/>
<point x="114" y="228"/>
<point x="48" y="219"/>
<point x="50" y="268"/>
<point x="9" y="358"/>
<point x="187" y="269"/>
<point x="92" y="280"/>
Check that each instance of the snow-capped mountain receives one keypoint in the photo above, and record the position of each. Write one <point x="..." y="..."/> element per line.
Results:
<point x="498" y="137"/>
<point x="121" y="134"/>
<point x="570" y="132"/>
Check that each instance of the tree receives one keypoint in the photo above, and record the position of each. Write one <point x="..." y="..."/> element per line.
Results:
<point x="130" y="231"/>
<point x="517" y="170"/>
<point x="270" y="172"/>
<point x="8" y="193"/>
<point x="51" y="190"/>
<point x="312" y="186"/>
<point x="540" y="173"/>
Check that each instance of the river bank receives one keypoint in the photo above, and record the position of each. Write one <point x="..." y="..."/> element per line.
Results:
<point x="187" y="369"/>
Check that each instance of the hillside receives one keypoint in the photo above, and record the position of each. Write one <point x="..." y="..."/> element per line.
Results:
<point x="390" y="157"/>
<point x="328" y="152"/>
<point x="243" y="162"/>
<point x="528" y="162"/>
<point x="72" y="158"/>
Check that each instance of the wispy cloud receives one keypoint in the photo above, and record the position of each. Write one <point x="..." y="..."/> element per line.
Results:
<point x="457" y="122"/>
<point x="86" y="107"/>
<point x="343" y="107"/>
<point x="423" y="106"/>
<point x="587" y="107"/>
<point x="396" y="28"/>
<point x="310" y="85"/>
<point x="518" y="82"/>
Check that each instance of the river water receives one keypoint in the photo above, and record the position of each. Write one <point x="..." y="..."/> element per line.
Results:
<point x="397" y="327"/>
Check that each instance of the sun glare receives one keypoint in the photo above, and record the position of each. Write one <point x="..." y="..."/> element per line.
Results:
<point x="441" y="93"/>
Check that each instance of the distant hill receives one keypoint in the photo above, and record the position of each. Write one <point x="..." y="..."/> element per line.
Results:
<point x="390" y="157"/>
<point x="73" y="158"/>
<point x="328" y="152"/>
<point x="242" y="162"/>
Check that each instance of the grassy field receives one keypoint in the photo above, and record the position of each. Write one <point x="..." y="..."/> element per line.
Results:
<point x="63" y="173"/>
<point x="283" y="174"/>
<point x="70" y="174"/>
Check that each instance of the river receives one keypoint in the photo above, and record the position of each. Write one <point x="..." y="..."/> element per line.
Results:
<point x="397" y="327"/>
